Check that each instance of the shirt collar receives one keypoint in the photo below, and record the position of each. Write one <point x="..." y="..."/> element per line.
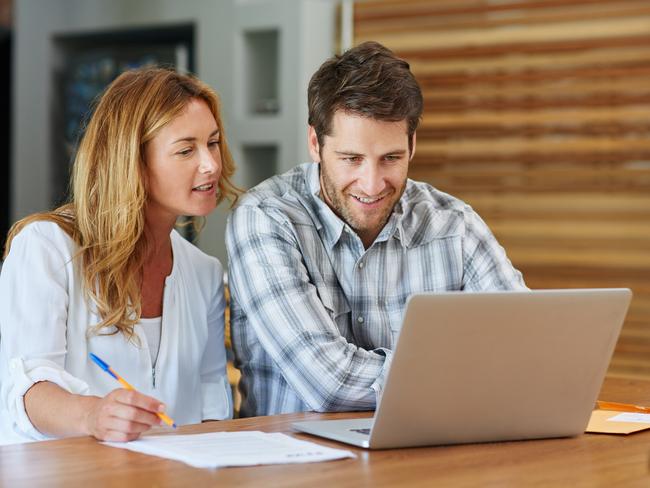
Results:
<point x="328" y="222"/>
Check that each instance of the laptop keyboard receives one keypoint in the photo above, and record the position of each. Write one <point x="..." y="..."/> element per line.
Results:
<point x="361" y="431"/>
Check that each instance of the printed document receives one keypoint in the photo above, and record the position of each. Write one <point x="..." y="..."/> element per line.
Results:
<point x="638" y="418"/>
<point x="221" y="449"/>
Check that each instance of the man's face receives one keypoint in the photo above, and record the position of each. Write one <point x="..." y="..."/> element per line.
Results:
<point x="363" y="170"/>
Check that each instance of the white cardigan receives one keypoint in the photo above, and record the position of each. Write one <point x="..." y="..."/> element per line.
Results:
<point x="44" y="320"/>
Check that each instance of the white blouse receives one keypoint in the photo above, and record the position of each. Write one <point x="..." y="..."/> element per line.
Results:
<point x="45" y="320"/>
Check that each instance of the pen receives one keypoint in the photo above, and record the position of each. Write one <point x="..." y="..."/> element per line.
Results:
<point x="622" y="407"/>
<point x="123" y="382"/>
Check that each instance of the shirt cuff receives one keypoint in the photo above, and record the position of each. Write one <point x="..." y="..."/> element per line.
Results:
<point x="217" y="400"/>
<point x="378" y="385"/>
<point x="24" y="373"/>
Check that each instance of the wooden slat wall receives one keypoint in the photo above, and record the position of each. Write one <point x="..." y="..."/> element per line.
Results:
<point x="537" y="113"/>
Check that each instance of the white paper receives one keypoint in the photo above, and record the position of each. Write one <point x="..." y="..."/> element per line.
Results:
<point x="221" y="449"/>
<point x="637" y="418"/>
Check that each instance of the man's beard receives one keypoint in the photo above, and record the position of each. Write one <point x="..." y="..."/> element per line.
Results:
<point x="338" y="201"/>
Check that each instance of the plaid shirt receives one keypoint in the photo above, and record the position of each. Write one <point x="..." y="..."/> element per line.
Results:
<point x="314" y="314"/>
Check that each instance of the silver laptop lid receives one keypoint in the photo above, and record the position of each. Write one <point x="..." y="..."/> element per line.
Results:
<point x="475" y="367"/>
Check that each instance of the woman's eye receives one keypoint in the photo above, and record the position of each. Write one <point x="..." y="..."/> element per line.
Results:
<point x="184" y="152"/>
<point x="213" y="143"/>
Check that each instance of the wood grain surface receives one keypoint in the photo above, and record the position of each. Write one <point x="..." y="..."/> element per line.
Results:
<point x="587" y="460"/>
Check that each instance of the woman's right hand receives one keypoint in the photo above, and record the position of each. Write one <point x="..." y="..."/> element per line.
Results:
<point x="122" y="415"/>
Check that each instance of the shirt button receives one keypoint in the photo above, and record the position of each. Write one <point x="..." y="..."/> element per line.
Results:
<point x="360" y="320"/>
<point x="361" y="265"/>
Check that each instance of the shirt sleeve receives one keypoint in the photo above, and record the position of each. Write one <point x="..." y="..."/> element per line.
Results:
<point x="215" y="389"/>
<point x="270" y="282"/>
<point x="33" y="317"/>
<point x="485" y="264"/>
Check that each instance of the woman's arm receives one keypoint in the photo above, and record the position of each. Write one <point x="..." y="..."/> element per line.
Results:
<point x="122" y="415"/>
<point x="37" y="392"/>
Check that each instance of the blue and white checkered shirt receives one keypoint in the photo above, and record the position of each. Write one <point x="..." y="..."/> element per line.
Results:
<point x="314" y="315"/>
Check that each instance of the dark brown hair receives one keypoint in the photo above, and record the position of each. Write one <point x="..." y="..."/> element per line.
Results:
<point x="367" y="80"/>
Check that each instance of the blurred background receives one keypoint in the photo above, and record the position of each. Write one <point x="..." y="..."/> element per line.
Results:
<point x="537" y="112"/>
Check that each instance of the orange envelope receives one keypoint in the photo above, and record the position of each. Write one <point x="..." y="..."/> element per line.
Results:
<point x="599" y="423"/>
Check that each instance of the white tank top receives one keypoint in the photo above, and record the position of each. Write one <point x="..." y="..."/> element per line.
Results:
<point x="152" y="328"/>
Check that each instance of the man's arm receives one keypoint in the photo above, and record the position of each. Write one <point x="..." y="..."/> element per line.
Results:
<point x="272" y="285"/>
<point x="485" y="264"/>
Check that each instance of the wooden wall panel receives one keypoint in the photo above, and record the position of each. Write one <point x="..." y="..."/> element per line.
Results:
<point x="537" y="113"/>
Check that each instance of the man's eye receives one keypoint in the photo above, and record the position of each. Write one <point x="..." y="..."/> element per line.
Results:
<point x="352" y="159"/>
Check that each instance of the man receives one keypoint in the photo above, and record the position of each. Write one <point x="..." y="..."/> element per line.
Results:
<point x="323" y="258"/>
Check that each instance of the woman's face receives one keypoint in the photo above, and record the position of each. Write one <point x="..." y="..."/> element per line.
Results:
<point x="183" y="165"/>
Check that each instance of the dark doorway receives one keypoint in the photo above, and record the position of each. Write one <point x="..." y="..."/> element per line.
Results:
<point x="5" y="132"/>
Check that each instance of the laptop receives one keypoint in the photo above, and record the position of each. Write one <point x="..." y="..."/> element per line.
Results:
<point x="491" y="366"/>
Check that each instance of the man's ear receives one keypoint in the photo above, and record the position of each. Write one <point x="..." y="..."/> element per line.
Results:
<point x="312" y="144"/>
<point x="413" y="140"/>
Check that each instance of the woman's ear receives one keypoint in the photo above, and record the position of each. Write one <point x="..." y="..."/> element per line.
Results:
<point x="144" y="170"/>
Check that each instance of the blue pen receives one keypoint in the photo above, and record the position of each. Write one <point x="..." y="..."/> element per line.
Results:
<point x="126" y="385"/>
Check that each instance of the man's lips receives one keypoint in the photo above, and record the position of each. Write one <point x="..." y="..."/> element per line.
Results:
<point x="369" y="200"/>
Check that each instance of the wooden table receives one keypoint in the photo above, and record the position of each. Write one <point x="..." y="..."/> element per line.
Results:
<point x="589" y="460"/>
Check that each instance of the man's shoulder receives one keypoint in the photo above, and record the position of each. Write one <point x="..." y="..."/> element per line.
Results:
<point x="423" y="195"/>
<point x="275" y="187"/>
<point x="285" y="196"/>
<point x="428" y="213"/>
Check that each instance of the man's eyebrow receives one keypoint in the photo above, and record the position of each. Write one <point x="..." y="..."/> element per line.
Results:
<point x="355" y="153"/>
<point x="192" y="139"/>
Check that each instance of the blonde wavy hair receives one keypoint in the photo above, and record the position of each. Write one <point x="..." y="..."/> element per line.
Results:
<point x="106" y="213"/>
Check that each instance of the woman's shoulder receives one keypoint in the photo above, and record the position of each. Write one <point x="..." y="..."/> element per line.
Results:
<point x="193" y="259"/>
<point x="46" y="234"/>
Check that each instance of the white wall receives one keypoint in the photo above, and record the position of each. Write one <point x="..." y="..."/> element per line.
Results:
<point x="306" y="30"/>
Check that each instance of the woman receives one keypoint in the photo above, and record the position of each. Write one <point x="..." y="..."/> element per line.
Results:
<point x="108" y="274"/>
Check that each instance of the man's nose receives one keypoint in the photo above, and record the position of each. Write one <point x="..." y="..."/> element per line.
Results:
<point x="371" y="181"/>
